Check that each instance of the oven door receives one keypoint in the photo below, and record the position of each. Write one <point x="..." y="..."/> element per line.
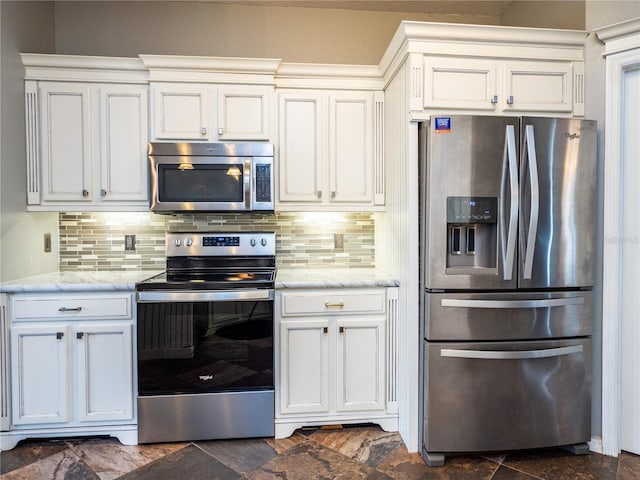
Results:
<point x="192" y="342"/>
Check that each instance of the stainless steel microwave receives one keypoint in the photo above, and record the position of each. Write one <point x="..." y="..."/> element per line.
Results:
<point x="211" y="177"/>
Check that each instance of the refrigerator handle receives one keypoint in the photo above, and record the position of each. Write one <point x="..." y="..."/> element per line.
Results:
<point x="525" y="303"/>
<point x="508" y="236"/>
<point x="530" y="145"/>
<point x="511" y="355"/>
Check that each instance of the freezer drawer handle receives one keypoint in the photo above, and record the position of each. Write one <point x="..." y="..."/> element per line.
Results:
<point x="502" y="355"/>
<point x="547" y="302"/>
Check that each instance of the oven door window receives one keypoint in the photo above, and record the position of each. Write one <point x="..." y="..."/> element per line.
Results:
<point x="205" y="347"/>
<point x="200" y="182"/>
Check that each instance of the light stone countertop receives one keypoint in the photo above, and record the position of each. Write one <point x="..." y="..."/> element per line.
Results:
<point x="333" y="278"/>
<point x="80" y="281"/>
<point x="86" y="281"/>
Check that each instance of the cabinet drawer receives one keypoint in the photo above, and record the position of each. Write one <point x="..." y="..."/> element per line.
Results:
<point x="72" y="307"/>
<point x="334" y="303"/>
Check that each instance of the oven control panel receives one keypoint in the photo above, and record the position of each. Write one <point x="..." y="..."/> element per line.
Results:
<point x="185" y="244"/>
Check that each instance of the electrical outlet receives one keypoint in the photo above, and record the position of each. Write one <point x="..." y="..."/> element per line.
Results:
<point x="338" y="241"/>
<point x="130" y="243"/>
<point x="47" y="243"/>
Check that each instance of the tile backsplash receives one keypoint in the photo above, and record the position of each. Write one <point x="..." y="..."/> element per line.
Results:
<point x="95" y="241"/>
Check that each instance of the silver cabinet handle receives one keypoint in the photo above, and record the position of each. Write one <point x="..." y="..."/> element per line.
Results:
<point x="535" y="201"/>
<point x="503" y="355"/>
<point x="319" y="194"/>
<point x="85" y="193"/>
<point x="103" y="193"/>
<point x="333" y="305"/>
<point x="510" y="163"/>
<point x="333" y="194"/>
<point x="542" y="303"/>
<point x="203" y="131"/>
<point x="494" y="99"/>
<point x="70" y="309"/>
<point x="510" y="100"/>
<point x="220" y="131"/>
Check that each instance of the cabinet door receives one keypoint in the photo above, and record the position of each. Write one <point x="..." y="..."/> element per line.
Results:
<point x="301" y="150"/>
<point x="538" y="86"/>
<point x="244" y="112"/>
<point x="180" y="112"/>
<point x="360" y="364"/>
<point x="66" y="142"/>
<point x="105" y="366"/>
<point x="123" y="142"/>
<point x="350" y="147"/>
<point x="39" y="376"/>
<point x="304" y="366"/>
<point x="460" y="83"/>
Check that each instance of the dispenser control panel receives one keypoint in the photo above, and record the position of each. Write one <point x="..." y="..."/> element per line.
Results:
<point x="472" y="209"/>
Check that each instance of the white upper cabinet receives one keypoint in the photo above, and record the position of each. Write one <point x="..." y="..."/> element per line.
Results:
<point x="86" y="134"/>
<point x="212" y="99"/>
<point x="538" y="86"/>
<point x="326" y="149"/>
<point x="493" y="85"/>
<point x="183" y="111"/>
<point x="123" y="143"/>
<point x="67" y="155"/>
<point x="489" y="70"/>
<point x="180" y="111"/>
<point x="244" y="112"/>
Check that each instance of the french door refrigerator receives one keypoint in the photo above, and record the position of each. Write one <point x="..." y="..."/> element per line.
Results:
<point x="507" y="256"/>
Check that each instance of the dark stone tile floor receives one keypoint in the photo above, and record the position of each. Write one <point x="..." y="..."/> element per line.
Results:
<point x="362" y="452"/>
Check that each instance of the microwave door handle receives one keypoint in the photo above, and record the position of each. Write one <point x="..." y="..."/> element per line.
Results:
<point x="508" y="234"/>
<point x="248" y="190"/>
<point x="535" y="201"/>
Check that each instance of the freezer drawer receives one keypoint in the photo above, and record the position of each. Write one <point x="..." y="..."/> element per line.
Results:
<point x="508" y="316"/>
<point x="506" y="396"/>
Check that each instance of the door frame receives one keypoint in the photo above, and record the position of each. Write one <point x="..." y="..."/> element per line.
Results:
<point x="622" y="52"/>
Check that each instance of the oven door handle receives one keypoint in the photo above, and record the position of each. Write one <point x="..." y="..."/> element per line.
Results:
<point x="165" y="296"/>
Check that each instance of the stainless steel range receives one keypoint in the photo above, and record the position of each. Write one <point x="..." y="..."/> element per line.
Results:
<point x="205" y="339"/>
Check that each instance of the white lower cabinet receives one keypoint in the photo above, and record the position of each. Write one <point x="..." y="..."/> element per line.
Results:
<point x="336" y="358"/>
<point x="72" y="367"/>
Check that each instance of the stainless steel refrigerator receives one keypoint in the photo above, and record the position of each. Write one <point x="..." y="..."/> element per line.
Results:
<point x="507" y="258"/>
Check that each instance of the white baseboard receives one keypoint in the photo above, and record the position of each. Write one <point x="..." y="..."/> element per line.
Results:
<point x="595" y="445"/>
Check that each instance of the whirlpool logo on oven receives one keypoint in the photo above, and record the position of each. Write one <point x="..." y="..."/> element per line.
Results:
<point x="205" y="378"/>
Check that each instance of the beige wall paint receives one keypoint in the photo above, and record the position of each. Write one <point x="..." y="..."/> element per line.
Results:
<point x="565" y="14"/>
<point x="25" y="26"/>
<point x="292" y="34"/>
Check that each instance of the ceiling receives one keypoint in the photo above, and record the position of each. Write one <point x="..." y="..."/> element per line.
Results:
<point x="440" y="7"/>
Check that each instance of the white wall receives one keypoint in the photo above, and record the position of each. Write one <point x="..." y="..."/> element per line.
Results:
<point x="25" y="26"/>
<point x="599" y="14"/>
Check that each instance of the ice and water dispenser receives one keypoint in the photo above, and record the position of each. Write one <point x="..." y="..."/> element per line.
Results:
<point x="472" y="232"/>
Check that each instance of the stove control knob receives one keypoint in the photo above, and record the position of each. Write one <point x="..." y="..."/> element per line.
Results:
<point x="188" y="242"/>
<point x="177" y="242"/>
<point x="253" y="242"/>
<point x="263" y="242"/>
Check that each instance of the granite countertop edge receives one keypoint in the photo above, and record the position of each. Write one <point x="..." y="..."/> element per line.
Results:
<point x="333" y="278"/>
<point x="91" y="281"/>
<point x="79" y="281"/>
